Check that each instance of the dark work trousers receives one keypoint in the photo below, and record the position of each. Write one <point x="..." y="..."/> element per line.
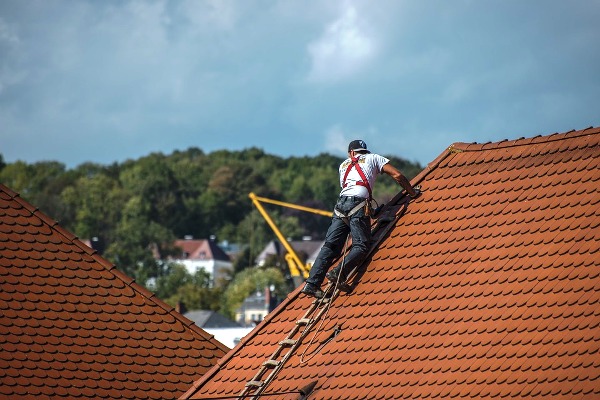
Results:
<point x="359" y="227"/>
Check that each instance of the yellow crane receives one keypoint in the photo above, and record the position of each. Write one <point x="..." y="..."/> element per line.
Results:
<point x="297" y="268"/>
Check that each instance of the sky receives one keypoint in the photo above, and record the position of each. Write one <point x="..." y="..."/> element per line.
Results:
<point x="112" y="80"/>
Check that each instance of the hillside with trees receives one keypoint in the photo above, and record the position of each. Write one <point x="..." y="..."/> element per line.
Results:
<point x="139" y="207"/>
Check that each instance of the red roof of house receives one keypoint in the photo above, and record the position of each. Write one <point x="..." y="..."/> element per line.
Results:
<point x="73" y="326"/>
<point x="486" y="286"/>
<point x="200" y="249"/>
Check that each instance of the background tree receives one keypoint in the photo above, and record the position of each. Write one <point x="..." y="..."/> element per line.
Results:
<point x="193" y="291"/>
<point x="138" y="243"/>
<point x="42" y="184"/>
<point x="139" y="207"/>
<point x="154" y="183"/>
<point x="98" y="201"/>
<point x="250" y="281"/>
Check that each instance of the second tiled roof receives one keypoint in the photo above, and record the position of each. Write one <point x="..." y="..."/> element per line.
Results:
<point x="73" y="326"/>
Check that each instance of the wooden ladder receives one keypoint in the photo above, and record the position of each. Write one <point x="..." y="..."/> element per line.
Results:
<point x="274" y="364"/>
<point x="287" y="346"/>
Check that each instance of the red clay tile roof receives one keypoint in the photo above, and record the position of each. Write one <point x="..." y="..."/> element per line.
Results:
<point x="201" y="249"/>
<point x="486" y="286"/>
<point x="73" y="326"/>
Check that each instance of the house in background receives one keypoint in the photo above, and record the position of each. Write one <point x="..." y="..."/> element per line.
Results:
<point x="222" y="328"/>
<point x="210" y="319"/>
<point x="306" y="250"/>
<point x="274" y="252"/>
<point x="256" y="307"/>
<point x="73" y="326"/>
<point x="204" y="254"/>
<point x="233" y="250"/>
<point x="485" y="286"/>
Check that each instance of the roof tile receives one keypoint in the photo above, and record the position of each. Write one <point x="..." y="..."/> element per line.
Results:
<point x="73" y="326"/>
<point x="486" y="286"/>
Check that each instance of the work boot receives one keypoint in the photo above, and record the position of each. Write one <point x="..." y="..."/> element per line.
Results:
<point x="311" y="290"/>
<point x="334" y="278"/>
<point x="344" y="287"/>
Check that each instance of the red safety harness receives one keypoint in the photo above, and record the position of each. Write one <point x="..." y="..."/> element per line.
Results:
<point x="354" y="164"/>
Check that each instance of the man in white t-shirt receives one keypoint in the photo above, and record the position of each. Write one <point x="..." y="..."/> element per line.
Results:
<point x="357" y="177"/>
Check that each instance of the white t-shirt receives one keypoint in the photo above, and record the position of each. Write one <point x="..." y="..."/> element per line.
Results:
<point x="371" y="165"/>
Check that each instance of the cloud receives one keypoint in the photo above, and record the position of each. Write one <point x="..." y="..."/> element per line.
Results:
<point x="344" y="48"/>
<point x="336" y="138"/>
<point x="10" y="44"/>
<point x="7" y="33"/>
<point x="111" y="80"/>
<point x="217" y="14"/>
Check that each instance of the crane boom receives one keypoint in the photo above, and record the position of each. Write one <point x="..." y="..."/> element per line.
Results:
<point x="290" y="205"/>
<point x="297" y="267"/>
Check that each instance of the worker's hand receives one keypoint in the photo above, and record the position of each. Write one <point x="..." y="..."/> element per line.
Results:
<point x="417" y="190"/>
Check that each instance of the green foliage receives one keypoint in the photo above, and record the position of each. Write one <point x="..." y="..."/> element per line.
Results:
<point x="249" y="281"/>
<point x="243" y="260"/>
<point x="41" y="183"/>
<point x="139" y="207"/>
<point x="136" y="239"/>
<point x="174" y="277"/>
<point x="154" y="183"/>
<point x="20" y="177"/>
<point x="195" y="297"/>
<point x="97" y="201"/>
<point x="177" y="285"/>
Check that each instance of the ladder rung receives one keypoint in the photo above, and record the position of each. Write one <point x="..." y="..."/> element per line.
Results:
<point x="303" y="321"/>
<point x="254" y="384"/>
<point x="271" y="363"/>
<point x="287" y="342"/>
<point x="322" y="301"/>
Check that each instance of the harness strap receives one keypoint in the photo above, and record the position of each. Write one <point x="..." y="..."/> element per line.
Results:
<point x="351" y="212"/>
<point x="354" y="163"/>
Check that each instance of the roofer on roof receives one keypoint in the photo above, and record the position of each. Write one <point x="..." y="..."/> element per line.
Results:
<point x="351" y="215"/>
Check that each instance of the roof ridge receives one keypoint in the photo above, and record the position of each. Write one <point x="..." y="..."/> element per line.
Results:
<point x="127" y="280"/>
<point x="432" y="261"/>
<point x="458" y="147"/>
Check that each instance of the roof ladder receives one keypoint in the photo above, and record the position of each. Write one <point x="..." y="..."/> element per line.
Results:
<point x="256" y="386"/>
<point x="286" y="348"/>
